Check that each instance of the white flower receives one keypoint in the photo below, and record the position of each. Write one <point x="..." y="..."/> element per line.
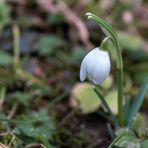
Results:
<point x="96" y="65"/>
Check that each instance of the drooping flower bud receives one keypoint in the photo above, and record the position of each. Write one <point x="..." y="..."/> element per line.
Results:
<point x="96" y="65"/>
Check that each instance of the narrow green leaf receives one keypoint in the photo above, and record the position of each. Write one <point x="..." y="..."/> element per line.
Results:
<point x="15" y="120"/>
<point x="107" y="28"/>
<point x="110" y="130"/>
<point x="126" y="107"/>
<point x="109" y="31"/>
<point x="103" y="101"/>
<point x="137" y="102"/>
<point x="127" y="141"/>
<point x="117" y="138"/>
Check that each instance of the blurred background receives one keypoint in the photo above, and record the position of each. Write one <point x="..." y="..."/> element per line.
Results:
<point x="42" y="44"/>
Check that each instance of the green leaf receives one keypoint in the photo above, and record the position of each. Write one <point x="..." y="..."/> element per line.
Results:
<point x="49" y="44"/>
<point x="120" y="135"/>
<point x="107" y="28"/>
<point x="77" y="54"/>
<point x="19" y="97"/>
<point x="39" y="124"/>
<point x="4" y="14"/>
<point x="137" y="102"/>
<point x="127" y="140"/>
<point x="27" y="129"/>
<point x="5" y="59"/>
<point x="54" y="19"/>
<point x="110" y="32"/>
<point x="144" y="144"/>
<point x="111" y="99"/>
<point x="41" y="116"/>
<point x="126" y="106"/>
<point x="84" y="98"/>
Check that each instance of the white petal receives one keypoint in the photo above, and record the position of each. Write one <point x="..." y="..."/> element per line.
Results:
<point x="83" y="73"/>
<point x="91" y="59"/>
<point x="102" y="68"/>
<point x="86" y="63"/>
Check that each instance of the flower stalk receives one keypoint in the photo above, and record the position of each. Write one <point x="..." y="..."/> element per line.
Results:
<point x="104" y="43"/>
<point x="111" y="34"/>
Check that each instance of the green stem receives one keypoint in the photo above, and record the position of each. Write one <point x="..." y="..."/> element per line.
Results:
<point x="119" y="62"/>
<point x="120" y="84"/>
<point x="120" y="96"/>
<point x="103" y="45"/>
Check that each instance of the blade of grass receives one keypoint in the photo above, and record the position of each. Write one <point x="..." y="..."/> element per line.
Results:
<point x="110" y="130"/>
<point x="137" y="102"/>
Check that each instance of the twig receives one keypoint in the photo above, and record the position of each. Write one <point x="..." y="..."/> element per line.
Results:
<point x="62" y="9"/>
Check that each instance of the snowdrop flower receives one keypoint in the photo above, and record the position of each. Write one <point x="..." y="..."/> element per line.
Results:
<point x="96" y="65"/>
